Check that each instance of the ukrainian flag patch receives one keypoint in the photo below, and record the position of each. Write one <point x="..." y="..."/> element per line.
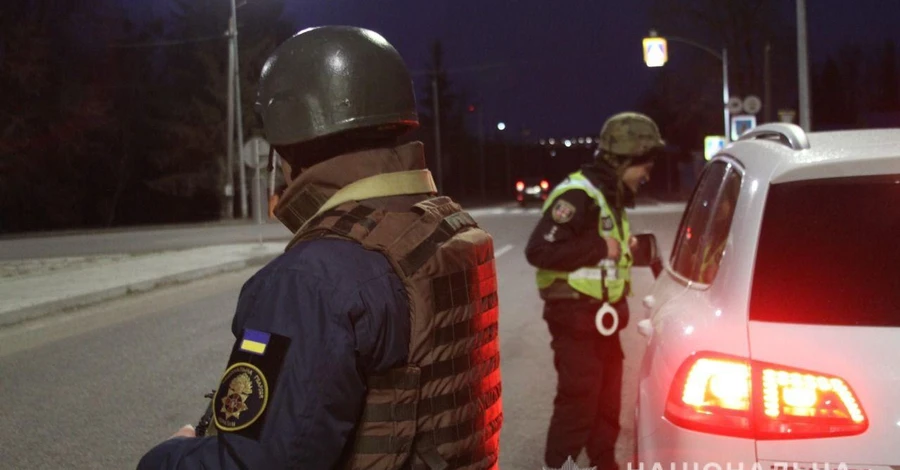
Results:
<point x="255" y="342"/>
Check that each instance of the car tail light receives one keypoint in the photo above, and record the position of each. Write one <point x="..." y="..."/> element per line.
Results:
<point x="733" y="396"/>
<point x="545" y="185"/>
<point x="520" y="186"/>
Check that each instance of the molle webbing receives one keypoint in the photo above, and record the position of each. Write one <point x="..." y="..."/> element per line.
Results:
<point x="443" y="409"/>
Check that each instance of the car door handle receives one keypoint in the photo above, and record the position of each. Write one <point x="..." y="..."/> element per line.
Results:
<point x="645" y="327"/>
<point x="649" y="301"/>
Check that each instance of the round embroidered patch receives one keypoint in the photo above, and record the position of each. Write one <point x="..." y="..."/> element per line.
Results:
<point x="562" y="211"/>
<point x="608" y="223"/>
<point x="242" y="397"/>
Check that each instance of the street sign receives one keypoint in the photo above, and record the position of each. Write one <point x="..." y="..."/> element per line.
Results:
<point x="255" y="153"/>
<point x="787" y="115"/>
<point x="741" y="124"/>
<point x="655" y="51"/>
<point x="735" y="105"/>
<point x="752" y="104"/>
<point x="712" y="144"/>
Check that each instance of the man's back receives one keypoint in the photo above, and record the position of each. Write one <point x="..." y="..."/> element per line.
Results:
<point x="443" y="405"/>
<point x="344" y="315"/>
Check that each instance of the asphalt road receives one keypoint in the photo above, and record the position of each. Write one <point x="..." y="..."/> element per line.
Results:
<point x="98" y="387"/>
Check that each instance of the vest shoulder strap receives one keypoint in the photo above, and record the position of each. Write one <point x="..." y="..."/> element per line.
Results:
<point x="409" y="238"/>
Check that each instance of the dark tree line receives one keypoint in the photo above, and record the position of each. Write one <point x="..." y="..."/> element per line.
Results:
<point x="104" y="122"/>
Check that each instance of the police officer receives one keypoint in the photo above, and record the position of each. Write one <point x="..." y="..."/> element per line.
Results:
<point x="582" y="247"/>
<point x="372" y="341"/>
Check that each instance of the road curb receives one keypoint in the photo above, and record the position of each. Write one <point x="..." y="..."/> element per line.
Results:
<point x="55" y="307"/>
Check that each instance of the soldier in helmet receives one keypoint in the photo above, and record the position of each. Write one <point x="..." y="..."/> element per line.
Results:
<point x="582" y="247"/>
<point x="371" y="342"/>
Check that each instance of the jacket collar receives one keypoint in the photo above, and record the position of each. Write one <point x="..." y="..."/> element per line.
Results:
<point x="312" y="189"/>
<point x="609" y="182"/>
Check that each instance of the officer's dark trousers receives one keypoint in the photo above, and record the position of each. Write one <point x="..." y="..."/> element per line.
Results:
<point x="589" y="386"/>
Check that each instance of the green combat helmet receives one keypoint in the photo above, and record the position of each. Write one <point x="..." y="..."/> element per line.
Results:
<point x="334" y="79"/>
<point x="629" y="139"/>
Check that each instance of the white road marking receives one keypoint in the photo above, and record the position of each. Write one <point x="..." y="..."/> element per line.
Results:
<point x="502" y="251"/>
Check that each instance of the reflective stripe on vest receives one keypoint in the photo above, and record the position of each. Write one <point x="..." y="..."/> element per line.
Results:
<point x="608" y="276"/>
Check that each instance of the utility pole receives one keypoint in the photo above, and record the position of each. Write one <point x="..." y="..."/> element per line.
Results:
<point x="803" y="67"/>
<point x="257" y="186"/>
<point x="481" y="169"/>
<point x="723" y="56"/>
<point x="235" y="94"/>
<point x="767" y="106"/>
<point x="725" y="94"/>
<point x="437" y="131"/>
<point x="229" y="135"/>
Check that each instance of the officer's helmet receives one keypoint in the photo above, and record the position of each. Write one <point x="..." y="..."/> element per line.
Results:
<point x="629" y="138"/>
<point x="334" y="79"/>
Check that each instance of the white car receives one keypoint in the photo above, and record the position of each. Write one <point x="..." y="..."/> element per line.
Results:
<point x="773" y="330"/>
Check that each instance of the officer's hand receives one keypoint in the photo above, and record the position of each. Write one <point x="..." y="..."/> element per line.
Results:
<point x="186" y="431"/>
<point x="613" y="250"/>
<point x="633" y="243"/>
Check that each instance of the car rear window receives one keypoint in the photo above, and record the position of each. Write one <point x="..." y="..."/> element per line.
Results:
<point x="829" y="253"/>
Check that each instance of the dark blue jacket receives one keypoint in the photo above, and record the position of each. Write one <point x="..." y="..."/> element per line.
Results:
<point x="335" y="312"/>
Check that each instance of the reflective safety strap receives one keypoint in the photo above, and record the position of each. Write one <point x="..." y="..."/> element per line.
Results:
<point x="594" y="274"/>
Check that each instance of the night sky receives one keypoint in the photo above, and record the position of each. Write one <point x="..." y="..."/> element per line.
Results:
<point x="564" y="66"/>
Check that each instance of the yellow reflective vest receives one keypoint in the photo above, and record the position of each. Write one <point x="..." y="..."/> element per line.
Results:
<point x="606" y="281"/>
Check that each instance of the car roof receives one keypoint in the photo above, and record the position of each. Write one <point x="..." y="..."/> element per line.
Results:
<point x="779" y="153"/>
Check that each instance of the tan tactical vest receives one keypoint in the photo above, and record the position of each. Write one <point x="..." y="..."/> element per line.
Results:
<point x="443" y="409"/>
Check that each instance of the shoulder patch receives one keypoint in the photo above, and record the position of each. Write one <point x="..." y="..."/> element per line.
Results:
<point x="562" y="211"/>
<point x="242" y="397"/>
<point x="240" y="404"/>
<point x="608" y="222"/>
